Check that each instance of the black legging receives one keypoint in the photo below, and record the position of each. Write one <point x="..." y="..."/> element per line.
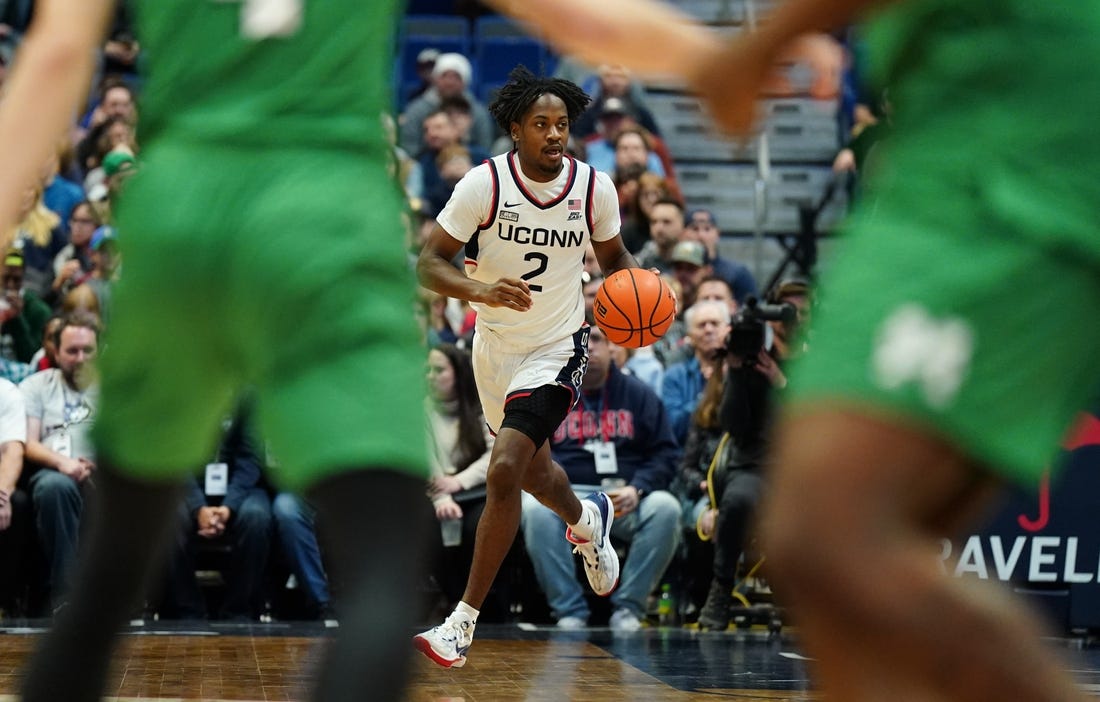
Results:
<point x="741" y="490"/>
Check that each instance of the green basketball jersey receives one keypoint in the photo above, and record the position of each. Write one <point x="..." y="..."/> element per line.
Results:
<point x="996" y="96"/>
<point x="262" y="71"/>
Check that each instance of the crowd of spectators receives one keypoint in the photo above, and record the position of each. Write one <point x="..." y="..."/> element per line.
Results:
<point x="627" y="435"/>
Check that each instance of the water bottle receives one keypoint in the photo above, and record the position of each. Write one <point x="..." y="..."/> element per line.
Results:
<point x="666" y="607"/>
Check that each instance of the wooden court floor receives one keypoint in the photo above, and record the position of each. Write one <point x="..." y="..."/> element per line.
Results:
<point x="213" y="662"/>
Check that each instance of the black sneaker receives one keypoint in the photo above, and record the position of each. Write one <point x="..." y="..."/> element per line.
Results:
<point x="715" y="615"/>
<point x="328" y="616"/>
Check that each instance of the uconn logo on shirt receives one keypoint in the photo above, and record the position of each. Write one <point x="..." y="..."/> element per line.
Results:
<point x="540" y="236"/>
<point x="581" y="425"/>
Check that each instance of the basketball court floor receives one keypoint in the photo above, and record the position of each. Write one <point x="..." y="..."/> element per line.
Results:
<point x="214" y="662"/>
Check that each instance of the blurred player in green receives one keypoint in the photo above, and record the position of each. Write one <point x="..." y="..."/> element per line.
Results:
<point x="263" y="250"/>
<point x="933" y="377"/>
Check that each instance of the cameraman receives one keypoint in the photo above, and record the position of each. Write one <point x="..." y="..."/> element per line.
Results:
<point x="760" y="342"/>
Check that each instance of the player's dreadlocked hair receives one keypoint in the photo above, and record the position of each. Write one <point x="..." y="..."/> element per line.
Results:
<point x="524" y="88"/>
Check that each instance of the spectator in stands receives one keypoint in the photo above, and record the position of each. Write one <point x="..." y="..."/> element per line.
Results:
<point x="629" y="145"/>
<point x="73" y="264"/>
<point x="690" y="267"/>
<point x="60" y="194"/>
<point x="82" y="298"/>
<point x="440" y="133"/>
<point x="116" y="99"/>
<point x="226" y="504"/>
<point x="15" y="508"/>
<point x="116" y="104"/>
<point x="437" y="325"/>
<point x="633" y="148"/>
<point x="296" y="528"/>
<point x="705" y="449"/>
<point x="702" y="227"/>
<point x="452" y="162"/>
<point x="873" y="123"/>
<point x="736" y="485"/>
<point x="639" y="195"/>
<point x="46" y="357"/>
<point x="406" y="170"/>
<point x="588" y="77"/>
<point x="714" y="288"/>
<point x="617" y="439"/>
<point x="425" y="62"/>
<point x="626" y="187"/>
<point x="106" y="266"/>
<point x="61" y="404"/>
<point x="643" y="364"/>
<point x="616" y="82"/>
<point x="116" y="135"/>
<point x="23" y="314"/>
<point x="666" y="227"/>
<point x="674" y="346"/>
<point x="118" y="165"/>
<point x="460" y="444"/>
<point x="461" y="112"/>
<point x="601" y="147"/>
<point x="708" y="324"/>
<point x="41" y="236"/>
<point x="121" y="49"/>
<point x="794" y="290"/>
<point x="451" y="77"/>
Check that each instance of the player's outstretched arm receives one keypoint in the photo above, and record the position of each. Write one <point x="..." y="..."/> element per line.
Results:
<point x="730" y="80"/>
<point x="618" y="31"/>
<point x="727" y="75"/>
<point x="50" y="78"/>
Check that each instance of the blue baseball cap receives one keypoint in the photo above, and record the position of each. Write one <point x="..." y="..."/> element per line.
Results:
<point x="103" y="234"/>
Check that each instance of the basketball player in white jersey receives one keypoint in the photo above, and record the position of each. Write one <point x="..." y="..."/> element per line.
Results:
<point x="525" y="218"/>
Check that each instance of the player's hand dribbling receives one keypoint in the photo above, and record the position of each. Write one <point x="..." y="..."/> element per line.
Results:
<point x="676" y="298"/>
<point x="512" y="293"/>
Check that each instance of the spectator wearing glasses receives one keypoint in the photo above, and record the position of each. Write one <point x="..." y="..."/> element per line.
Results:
<point x="73" y="264"/>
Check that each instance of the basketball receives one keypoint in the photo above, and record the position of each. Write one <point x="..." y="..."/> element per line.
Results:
<point x="634" y="307"/>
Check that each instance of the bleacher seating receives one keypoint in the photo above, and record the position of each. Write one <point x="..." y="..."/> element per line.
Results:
<point x="799" y="130"/>
<point x="729" y="190"/>
<point x="448" y="33"/>
<point x="499" y="46"/>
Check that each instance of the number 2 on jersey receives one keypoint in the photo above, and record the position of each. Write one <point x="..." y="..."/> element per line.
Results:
<point x="263" y="19"/>
<point x="543" y="260"/>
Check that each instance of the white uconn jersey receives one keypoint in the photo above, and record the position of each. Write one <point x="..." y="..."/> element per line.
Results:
<point x="517" y="228"/>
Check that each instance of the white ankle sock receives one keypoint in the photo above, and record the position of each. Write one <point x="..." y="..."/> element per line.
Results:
<point x="585" y="528"/>
<point x="467" y="610"/>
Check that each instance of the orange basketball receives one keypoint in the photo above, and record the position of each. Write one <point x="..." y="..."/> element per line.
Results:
<point x="634" y="307"/>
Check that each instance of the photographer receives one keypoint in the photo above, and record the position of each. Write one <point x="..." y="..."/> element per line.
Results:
<point x="728" y="440"/>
